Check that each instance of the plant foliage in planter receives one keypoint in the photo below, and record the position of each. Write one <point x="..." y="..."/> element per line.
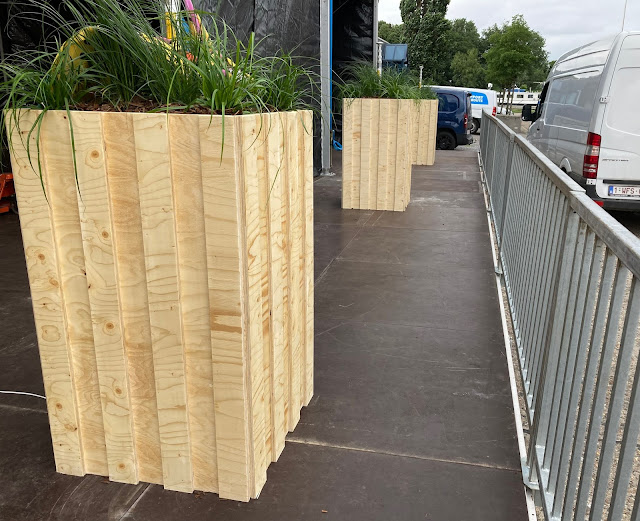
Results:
<point x="110" y="57"/>
<point x="389" y="124"/>
<point x="169" y="254"/>
<point x="364" y="81"/>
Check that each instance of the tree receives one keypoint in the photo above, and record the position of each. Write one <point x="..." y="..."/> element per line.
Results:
<point x="426" y="31"/>
<point x="463" y="36"/>
<point x="466" y="70"/>
<point x="390" y="32"/>
<point x="516" y="54"/>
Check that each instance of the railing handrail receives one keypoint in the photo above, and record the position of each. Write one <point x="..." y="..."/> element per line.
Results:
<point x="618" y="238"/>
<point x="572" y="275"/>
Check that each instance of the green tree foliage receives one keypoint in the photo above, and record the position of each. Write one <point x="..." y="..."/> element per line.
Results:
<point x="516" y="54"/>
<point x="464" y="36"/>
<point x="390" y="32"/>
<point x="466" y="70"/>
<point x="427" y="32"/>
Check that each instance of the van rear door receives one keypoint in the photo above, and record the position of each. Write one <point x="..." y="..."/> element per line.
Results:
<point x="620" y="132"/>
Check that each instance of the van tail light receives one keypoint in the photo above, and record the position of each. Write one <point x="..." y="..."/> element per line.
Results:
<point x="466" y="120"/>
<point x="591" y="156"/>
<point x="494" y="111"/>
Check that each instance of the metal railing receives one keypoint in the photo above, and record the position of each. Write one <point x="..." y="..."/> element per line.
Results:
<point x="572" y="277"/>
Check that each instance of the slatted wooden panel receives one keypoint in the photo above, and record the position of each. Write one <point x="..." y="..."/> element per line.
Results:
<point x="172" y="283"/>
<point x="382" y="138"/>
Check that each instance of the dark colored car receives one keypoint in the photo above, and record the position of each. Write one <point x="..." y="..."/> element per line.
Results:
<point x="454" y="117"/>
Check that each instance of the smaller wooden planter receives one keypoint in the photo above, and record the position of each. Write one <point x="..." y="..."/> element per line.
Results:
<point x="172" y="288"/>
<point x="424" y="126"/>
<point x="381" y="139"/>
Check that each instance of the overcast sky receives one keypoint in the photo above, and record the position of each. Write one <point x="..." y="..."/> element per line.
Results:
<point x="565" y="24"/>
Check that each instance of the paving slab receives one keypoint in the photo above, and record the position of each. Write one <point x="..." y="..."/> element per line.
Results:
<point x="411" y="417"/>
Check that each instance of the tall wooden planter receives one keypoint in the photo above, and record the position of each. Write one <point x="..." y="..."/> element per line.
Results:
<point x="172" y="291"/>
<point x="424" y="126"/>
<point x="381" y="139"/>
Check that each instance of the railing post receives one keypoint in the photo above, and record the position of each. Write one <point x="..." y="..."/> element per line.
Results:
<point x="505" y="193"/>
<point x="542" y="405"/>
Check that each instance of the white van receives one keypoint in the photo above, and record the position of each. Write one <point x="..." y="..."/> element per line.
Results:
<point x="481" y="99"/>
<point x="588" y="119"/>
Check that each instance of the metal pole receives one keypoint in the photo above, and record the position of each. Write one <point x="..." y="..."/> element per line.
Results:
<point x="624" y="13"/>
<point x="421" y="67"/>
<point x="325" y="86"/>
<point x="375" y="33"/>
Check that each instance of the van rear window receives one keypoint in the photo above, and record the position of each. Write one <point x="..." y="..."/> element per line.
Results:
<point x="623" y="112"/>
<point x="447" y="103"/>
<point x="571" y="98"/>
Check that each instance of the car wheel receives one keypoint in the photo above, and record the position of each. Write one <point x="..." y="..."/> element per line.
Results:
<point x="445" y="141"/>
<point x="475" y="126"/>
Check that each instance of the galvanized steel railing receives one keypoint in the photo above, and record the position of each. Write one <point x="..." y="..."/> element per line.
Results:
<point x="571" y="274"/>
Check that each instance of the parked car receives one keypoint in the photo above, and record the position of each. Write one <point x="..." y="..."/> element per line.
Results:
<point x="588" y="119"/>
<point x="481" y="99"/>
<point x="454" y="116"/>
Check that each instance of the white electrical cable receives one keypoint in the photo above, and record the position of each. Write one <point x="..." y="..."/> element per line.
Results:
<point x="24" y="394"/>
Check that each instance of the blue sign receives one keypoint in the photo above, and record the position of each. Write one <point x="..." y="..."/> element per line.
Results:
<point x="478" y="98"/>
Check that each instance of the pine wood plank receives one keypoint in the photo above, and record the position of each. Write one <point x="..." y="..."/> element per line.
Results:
<point x="357" y="133"/>
<point x="386" y="107"/>
<point x="403" y="161"/>
<point x="347" y="154"/>
<point x="251" y="144"/>
<point x="423" y="132"/>
<point x="367" y="126"/>
<point x="223" y="195"/>
<point x="374" y="137"/>
<point x="158" y="215"/>
<point x="60" y="180"/>
<point x="126" y="223"/>
<point x="307" y="176"/>
<point x="264" y="189"/>
<point x="433" y="126"/>
<point x="47" y="300"/>
<point x="97" y="241"/>
<point x="277" y="182"/>
<point x="414" y="136"/>
<point x="392" y="152"/>
<point x="186" y="177"/>
<point x="295" y="272"/>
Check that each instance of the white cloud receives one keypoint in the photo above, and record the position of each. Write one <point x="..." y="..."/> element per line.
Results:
<point x="564" y="24"/>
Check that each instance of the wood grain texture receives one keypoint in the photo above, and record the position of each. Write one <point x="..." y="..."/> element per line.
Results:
<point x="403" y="162"/>
<point x="307" y="184"/>
<point x="347" y="154"/>
<point x="423" y="109"/>
<point x="189" y="339"/>
<point x="264" y="188"/>
<point x="126" y="222"/>
<point x="296" y="259"/>
<point x="277" y="182"/>
<point x="382" y="138"/>
<point x="386" y="113"/>
<point x="367" y="126"/>
<point x="251" y="143"/>
<point x="99" y="257"/>
<point x="223" y="195"/>
<point x="46" y="296"/>
<point x="374" y="144"/>
<point x="186" y="178"/>
<point x="158" y="216"/>
<point x="61" y="187"/>
<point x="433" y="127"/>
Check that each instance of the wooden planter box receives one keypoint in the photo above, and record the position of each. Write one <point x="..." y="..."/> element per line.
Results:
<point x="172" y="291"/>
<point x="381" y="139"/>
<point x="424" y="127"/>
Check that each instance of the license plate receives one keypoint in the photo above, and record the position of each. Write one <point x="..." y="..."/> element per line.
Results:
<point x="624" y="191"/>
